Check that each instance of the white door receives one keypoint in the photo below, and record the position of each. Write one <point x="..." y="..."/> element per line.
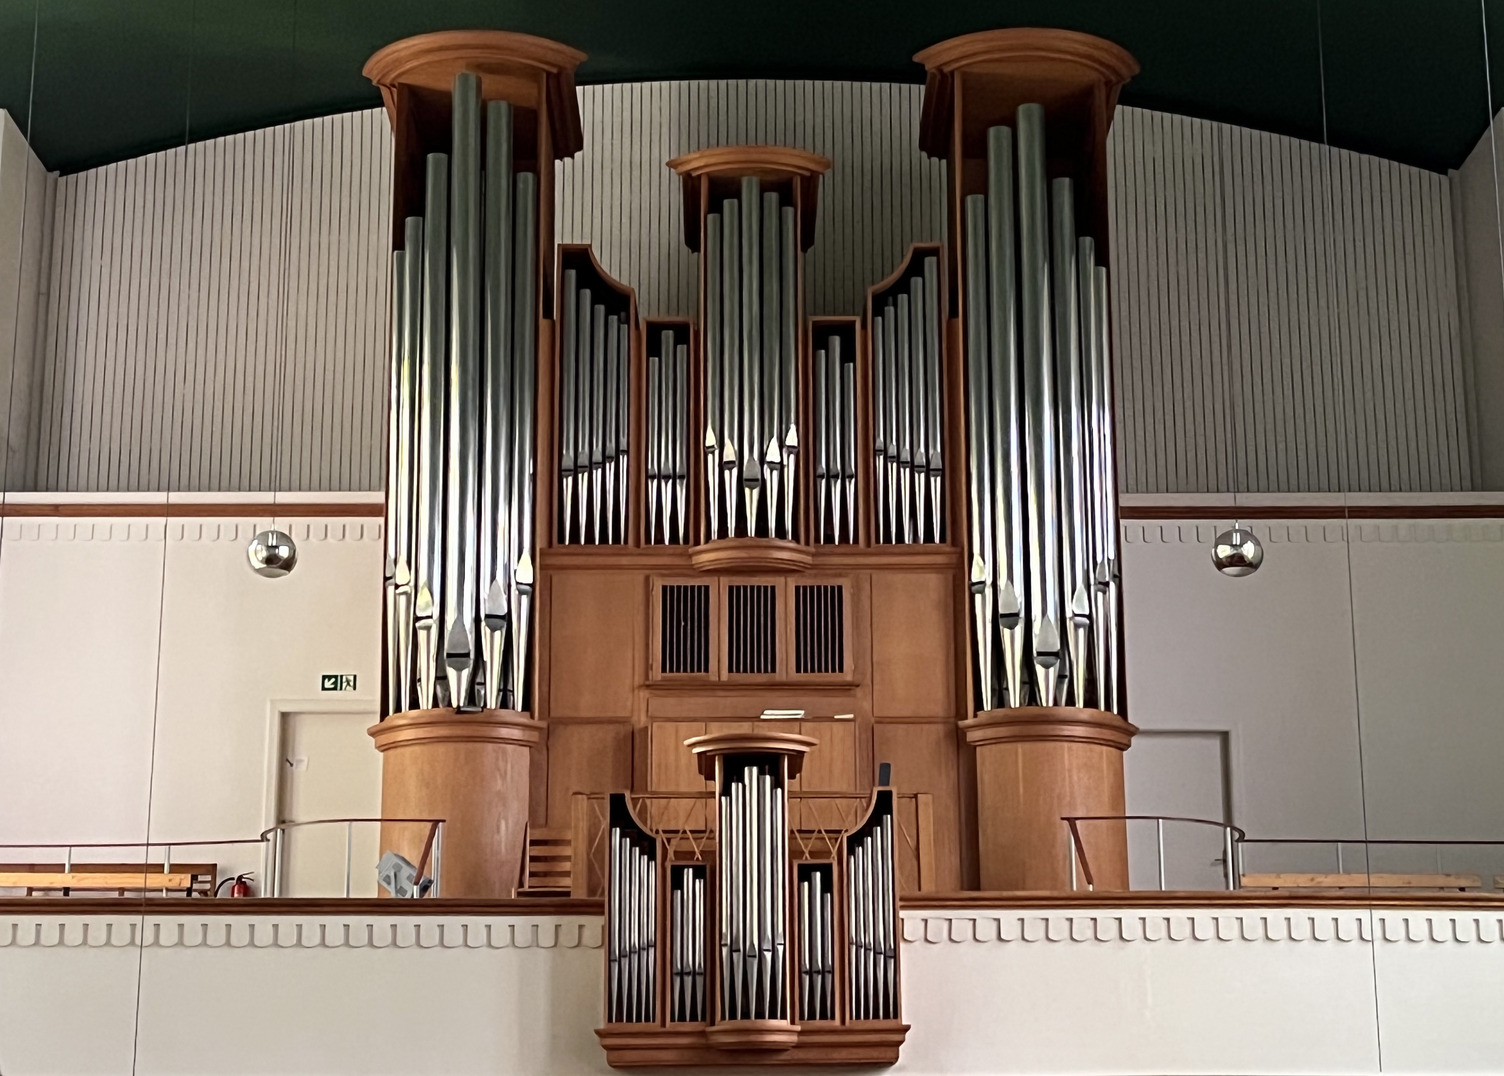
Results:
<point x="1182" y="774"/>
<point x="329" y="768"/>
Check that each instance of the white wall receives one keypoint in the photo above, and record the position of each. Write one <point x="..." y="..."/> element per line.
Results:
<point x="1127" y="990"/>
<point x="1401" y="743"/>
<point x="1269" y="660"/>
<point x="97" y="730"/>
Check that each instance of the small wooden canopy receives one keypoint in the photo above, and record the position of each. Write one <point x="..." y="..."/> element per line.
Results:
<point x="768" y="163"/>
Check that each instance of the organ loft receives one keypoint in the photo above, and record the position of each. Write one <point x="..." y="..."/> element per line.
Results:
<point x="755" y="622"/>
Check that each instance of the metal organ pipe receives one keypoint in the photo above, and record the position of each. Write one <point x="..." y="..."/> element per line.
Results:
<point x="1075" y="548"/>
<point x="933" y="393"/>
<point x="1040" y="464"/>
<point x="460" y="497"/>
<point x="430" y="495"/>
<point x="462" y="491"/>
<point x="714" y="404"/>
<point x="1039" y="410"/>
<point x="524" y="403"/>
<point x="750" y="438"/>
<point x="979" y="470"/>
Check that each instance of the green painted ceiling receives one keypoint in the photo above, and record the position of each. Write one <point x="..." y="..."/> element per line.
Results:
<point x="94" y="81"/>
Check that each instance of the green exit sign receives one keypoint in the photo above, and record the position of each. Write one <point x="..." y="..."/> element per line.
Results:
<point x="337" y="682"/>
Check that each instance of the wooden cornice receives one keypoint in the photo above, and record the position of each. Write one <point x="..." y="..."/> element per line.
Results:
<point x="500" y="58"/>
<point x="594" y="906"/>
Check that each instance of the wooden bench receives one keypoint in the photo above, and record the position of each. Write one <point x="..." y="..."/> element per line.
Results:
<point x="184" y="879"/>
<point x="1368" y="883"/>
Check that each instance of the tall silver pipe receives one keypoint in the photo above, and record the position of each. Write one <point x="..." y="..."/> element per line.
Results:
<point x="597" y="418"/>
<point x="681" y="439"/>
<point x="723" y="895"/>
<point x="654" y="447"/>
<point x="903" y="418"/>
<point x="771" y="354"/>
<point x="610" y="381"/>
<point x="822" y="444"/>
<point x="1007" y="463"/>
<point x="736" y="883"/>
<point x="1039" y="411"/>
<point x="714" y="422"/>
<point x="584" y="381"/>
<point x="614" y="927"/>
<point x="569" y="364"/>
<point x="524" y="381"/>
<point x="395" y="459"/>
<point x="919" y="407"/>
<point x="935" y="387"/>
<point x="789" y="307"/>
<point x="731" y="352"/>
<point x="1109" y="576"/>
<point x="978" y="444"/>
<point x="404" y="575"/>
<point x="879" y="429"/>
<point x="462" y="491"/>
<point x="623" y="430"/>
<point x="496" y="379"/>
<point x="891" y="378"/>
<point x="1075" y="548"/>
<point x="753" y="433"/>
<point x="834" y="415"/>
<point x="845" y="366"/>
<point x="431" y="428"/>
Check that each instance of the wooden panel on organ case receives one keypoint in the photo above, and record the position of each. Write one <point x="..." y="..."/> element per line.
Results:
<point x="591" y="757"/>
<point x="671" y="767"/>
<point x="830" y="767"/>
<point x="923" y="754"/>
<point x="913" y="653"/>
<point x="595" y="641"/>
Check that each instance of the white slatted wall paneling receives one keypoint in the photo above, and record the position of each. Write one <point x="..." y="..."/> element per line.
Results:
<point x="185" y="285"/>
<point x="1317" y="287"/>
<point x="1321" y="283"/>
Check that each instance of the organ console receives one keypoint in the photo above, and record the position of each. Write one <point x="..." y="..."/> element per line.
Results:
<point x="678" y="587"/>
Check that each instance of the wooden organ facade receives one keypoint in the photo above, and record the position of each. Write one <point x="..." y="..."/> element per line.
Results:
<point x="750" y="533"/>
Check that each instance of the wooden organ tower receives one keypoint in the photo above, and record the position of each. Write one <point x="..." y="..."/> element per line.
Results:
<point x="752" y="623"/>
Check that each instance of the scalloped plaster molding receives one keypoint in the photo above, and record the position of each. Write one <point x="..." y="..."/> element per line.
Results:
<point x="1399" y="532"/>
<point x="285" y="932"/>
<point x="932" y="928"/>
<point x="119" y="530"/>
<point x="1281" y="925"/>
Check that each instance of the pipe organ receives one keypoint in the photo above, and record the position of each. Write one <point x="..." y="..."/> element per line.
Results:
<point x="767" y="916"/>
<point x="808" y="548"/>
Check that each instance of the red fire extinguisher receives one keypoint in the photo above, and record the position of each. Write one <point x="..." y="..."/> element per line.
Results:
<point x="240" y="886"/>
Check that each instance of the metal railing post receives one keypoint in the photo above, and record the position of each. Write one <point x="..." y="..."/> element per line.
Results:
<point x="438" y="857"/>
<point x="1070" y="850"/>
<point x="1339" y="857"/>
<point x="1159" y="826"/>
<point x="68" y="860"/>
<point x="1227" y="864"/>
<point x="281" y="833"/>
<point x="349" y="833"/>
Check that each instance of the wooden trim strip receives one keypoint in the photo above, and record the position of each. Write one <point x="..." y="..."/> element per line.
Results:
<point x="24" y="906"/>
<point x="977" y="902"/>
<point x="924" y="902"/>
<point x="199" y="510"/>
<point x="1221" y="512"/>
